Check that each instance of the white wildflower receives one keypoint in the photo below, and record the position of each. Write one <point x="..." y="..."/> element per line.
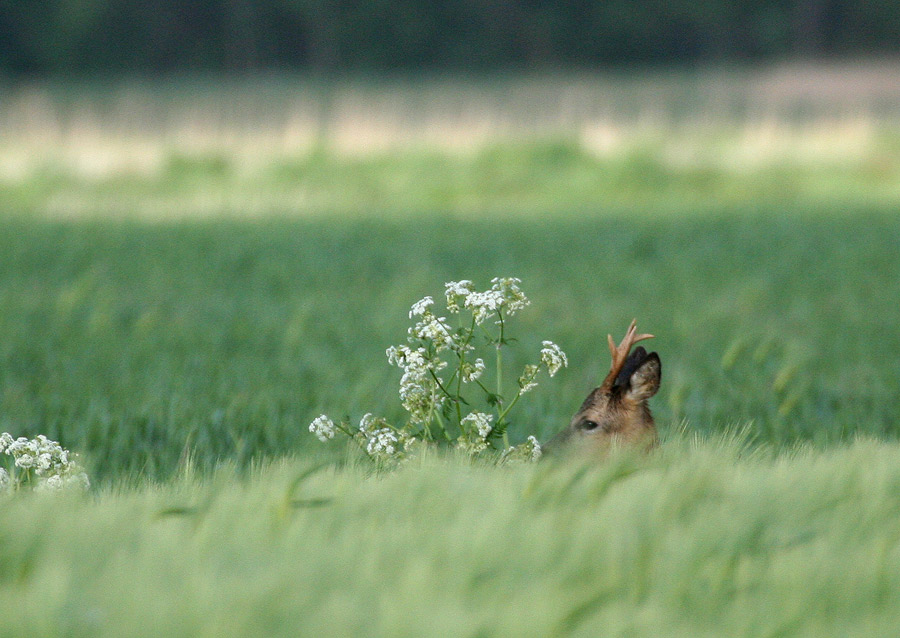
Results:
<point x="22" y="445"/>
<point x="527" y="452"/>
<point x="322" y="427"/>
<point x="4" y="480"/>
<point x="49" y="460"/>
<point x="473" y="439"/>
<point x="513" y="297"/>
<point x="5" y="441"/>
<point x="382" y="444"/>
<point x="44" y="462"/>
<point x="536" y="451"/>
<point x="419" y="391"/>
<point x="526" y="381"/>
<point x="420" y="307"/>
<point x="553" y="357"/>
<point x="456" y="291"/>
<point x="408" y="359"/>
<point x="472" y="371"/>
<point x="421" y="401"/>
<point x="484" y="304"/>
<point x="480" y="421"/>
<point x="365" y="423"/>
<point x="434" y="329"/>
<point x="471" y="445"/>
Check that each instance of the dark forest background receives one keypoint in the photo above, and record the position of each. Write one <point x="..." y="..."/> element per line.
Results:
<point x="54" y="37"/>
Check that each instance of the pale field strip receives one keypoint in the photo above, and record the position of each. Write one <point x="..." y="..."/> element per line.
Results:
<point x="800" y="113"/>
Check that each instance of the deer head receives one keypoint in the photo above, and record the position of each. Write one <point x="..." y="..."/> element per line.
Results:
<point x="616" y="413"/>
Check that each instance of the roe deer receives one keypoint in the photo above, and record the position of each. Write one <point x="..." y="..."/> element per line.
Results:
<point x="616" y="413"/>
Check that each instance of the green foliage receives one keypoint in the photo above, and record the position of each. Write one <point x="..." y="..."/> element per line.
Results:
<point x="702" y="539"/>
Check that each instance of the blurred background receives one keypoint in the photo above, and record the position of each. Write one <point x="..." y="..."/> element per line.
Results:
<point x="214" y="214"/>
<point x="232" y="88"/>
<point x="66" y="37"/>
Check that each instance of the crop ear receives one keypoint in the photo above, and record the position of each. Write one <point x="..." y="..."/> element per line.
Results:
<point x="644" y="381"/>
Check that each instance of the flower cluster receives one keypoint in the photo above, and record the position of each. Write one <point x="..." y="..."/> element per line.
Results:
<point x="442" y="377"/>
<point x="480" y="421"/>
<point x="381" y="441"/>
<point x="527" y="380"/>
<point x="476" y="427"/>
<point x="553" y="357"/>
<point x="322" y="427"/>
<point x="527" y="452"/>
<point x="419" y="386"/>
<point x="43" y="463"/>
<point x="504" y="296"/>
<point x="457" y="291"/>
<point x="472" y="371"/>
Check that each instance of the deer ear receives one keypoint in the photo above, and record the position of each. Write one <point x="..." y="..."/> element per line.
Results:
<point x="644" y="382"/>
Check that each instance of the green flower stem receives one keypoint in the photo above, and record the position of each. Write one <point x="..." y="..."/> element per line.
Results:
<point x="440" y="385"/>
<point x="461" y="354"/>
<point x="506" y="411"/>
<point x="511" y="404"/>
<point x="500" y="380"/>
<point x="440" y="423"/>
<point x="351" y="435"/>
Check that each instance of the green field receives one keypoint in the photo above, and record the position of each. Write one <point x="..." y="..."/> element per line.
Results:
<point x="180" y="328"/>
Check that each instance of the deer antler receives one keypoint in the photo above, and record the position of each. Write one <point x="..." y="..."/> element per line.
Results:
<point x="620" y="353"/>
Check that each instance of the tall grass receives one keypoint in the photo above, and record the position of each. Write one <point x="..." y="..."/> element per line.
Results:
<point x="700" y="540"/>
<point x="135" y="343"/>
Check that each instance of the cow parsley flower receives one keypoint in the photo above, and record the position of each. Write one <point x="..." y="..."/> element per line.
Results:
<point x="472" y="371"/>
<point x="419" y="392"/>
<point x="480" y="421"/>
<point x="455" y="292"/>
<point x="484" y="304"/>
<point x="22" y="445"/>
<point x="322" y="427"/>
<point x="513" y="297"/>
<point x="553" y="357"/>
<point x="366" y="423"/>
<point x="5" y="441"/>
<point x="422" y="402"/>
<point x="471" y="444"/>
<point x="536" y="451"/>
<point x="382" y="444"/>
<point x="433" y="329"/>
<point x="526" y="381"/>
<point x="527" y="452"/>
<point x="46" y="462"/>
<point x="421" y="307"/>
<point x="4" y="480"/>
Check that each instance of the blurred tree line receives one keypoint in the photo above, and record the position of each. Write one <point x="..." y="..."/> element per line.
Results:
<point x="45" y="37"/>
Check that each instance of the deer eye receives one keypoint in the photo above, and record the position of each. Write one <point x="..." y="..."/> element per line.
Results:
<point x="589" y="425"/>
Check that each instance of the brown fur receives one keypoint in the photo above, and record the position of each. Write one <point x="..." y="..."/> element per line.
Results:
<point x="616" y="413"/>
